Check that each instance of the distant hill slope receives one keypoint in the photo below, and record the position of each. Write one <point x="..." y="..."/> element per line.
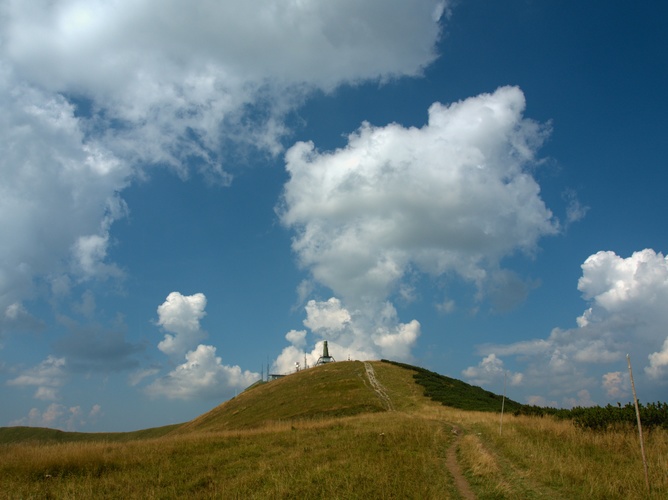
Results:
<point x="42" y="434"/>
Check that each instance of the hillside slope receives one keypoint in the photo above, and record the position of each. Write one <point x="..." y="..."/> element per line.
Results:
<point x="332" y="390"/>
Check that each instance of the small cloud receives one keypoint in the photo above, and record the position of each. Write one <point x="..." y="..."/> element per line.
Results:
<point x="202" y="376"/>
<point x="180" y="315"/>
<point x="447" y="306"/>
<point x="583" y="399"/>
<point x="136" y="377"/>
<point x="575" y="211"/>
<point x="397" y="342"/>
<point x="58" y="416"/>
<point x="95" y="411"/>
<point x="614" y="384"/>
<point x="17" y="318"/>
<point x="407" y="293"/>
<point x="541" y="401"/>
<point x="296" y="337"/>
<point x="328" y="317"/>
<point x="658" y="363"/>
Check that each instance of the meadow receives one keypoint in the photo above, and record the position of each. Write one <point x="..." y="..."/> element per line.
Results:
<point x="308" y="449"/>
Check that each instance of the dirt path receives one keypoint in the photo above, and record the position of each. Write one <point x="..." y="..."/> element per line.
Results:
<point x="453" y="466"/>
<point x="454" y="469"/>
<point x="377" y="387"/>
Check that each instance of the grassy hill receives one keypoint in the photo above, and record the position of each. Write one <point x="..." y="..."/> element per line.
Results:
<point x="327" y="432"/>
<point x="332" y="390"/>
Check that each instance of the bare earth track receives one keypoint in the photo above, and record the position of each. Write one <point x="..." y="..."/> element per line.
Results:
<point x="453" y="466"/>
<point x="377" y="387"/>
<point x="458" y="478"/>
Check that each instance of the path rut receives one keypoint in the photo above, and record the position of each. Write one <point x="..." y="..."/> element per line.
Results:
<point x="453" y="466"/>
<point x="377" y="386"/>
<point x="462" y="485"/>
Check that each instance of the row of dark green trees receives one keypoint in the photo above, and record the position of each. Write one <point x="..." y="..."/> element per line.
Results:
<point x="601" y="418"/>
<point x="458" y="394"/>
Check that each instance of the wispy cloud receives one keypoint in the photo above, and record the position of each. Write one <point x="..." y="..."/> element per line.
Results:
<point x="48" y="377"/>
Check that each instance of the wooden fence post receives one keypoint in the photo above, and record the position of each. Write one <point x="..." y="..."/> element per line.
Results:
<point x="642" y="443"/>
<point x="503" y="402"/>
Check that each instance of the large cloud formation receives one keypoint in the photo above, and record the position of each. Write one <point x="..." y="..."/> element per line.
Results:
<point x="626" y="314"/>
<point x="453" y="196"/>
<point x="93" y="92"/>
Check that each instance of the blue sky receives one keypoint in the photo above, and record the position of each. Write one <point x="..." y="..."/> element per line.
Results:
<point x="191" y="194"/>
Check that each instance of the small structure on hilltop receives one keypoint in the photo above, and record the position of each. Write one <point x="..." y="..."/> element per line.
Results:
<point x="325" y="358"/>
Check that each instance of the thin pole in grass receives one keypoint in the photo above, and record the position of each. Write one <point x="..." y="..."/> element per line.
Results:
<point x="503" y="402"/>
<point x="642" y="444"/>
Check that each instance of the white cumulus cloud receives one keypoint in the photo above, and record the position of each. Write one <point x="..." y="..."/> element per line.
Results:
<point x="658" y="363"/>
<point x="92" y="93"/>
<point x="326" y="317"/>
<point x="202" y="376"/>
<point x="180" y="315"/>
<point x="626" y="314"/>
<point x="453" y="196"/>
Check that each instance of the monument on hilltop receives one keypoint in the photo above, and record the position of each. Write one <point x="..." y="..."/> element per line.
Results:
<point x="325" y="358"/>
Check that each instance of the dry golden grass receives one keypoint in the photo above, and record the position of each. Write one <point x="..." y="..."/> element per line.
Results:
<point x="549" y="458"/>
<point x="374" y="456"/>
<point x="302" y="451"/>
